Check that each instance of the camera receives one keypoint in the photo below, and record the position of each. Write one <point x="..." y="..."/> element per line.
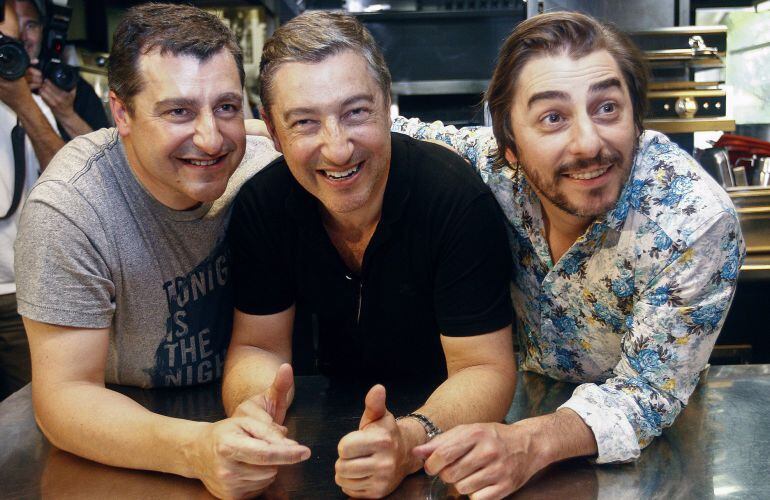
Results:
<point x="50" y="62"/>
<point x="13" y="58"/>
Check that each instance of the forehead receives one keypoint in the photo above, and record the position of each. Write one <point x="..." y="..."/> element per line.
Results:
<point x="562" y="73"/>
<point x="167" y="76"/>
<point x="325" y="83"/>
<point x="26" y="10"/>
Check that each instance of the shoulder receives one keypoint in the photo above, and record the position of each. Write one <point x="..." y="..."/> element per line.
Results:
<point x="437" y="170"/>
<point x="671" y="189"/>
<point x="258" y="154"/>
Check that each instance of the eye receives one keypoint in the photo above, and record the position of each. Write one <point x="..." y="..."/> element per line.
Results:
<point x="553" y="118"/>
<point x="178" y="113"/>
<point x="229" y="108"/>
<point x="302" y="123"/>
<point x="607" y="108"/>
<point x="358" y="114"/>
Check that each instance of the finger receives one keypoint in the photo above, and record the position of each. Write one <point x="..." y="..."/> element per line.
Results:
<point x="241" y="471"/>
<point x="480" y="479"/>
<point x="278" y="394"/>
<point x="364" y="443"/>
<point x="356" y="468"/>
<point x="447" y="452"/>
<point x="354" y="484"/>
<point x="267" y="431"/>
<point x="493" y="492"/>
<point x="374" y="406"/>
<point x="256" y="452"/>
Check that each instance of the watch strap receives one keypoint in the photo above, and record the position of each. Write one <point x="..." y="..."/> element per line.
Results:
<point x="431" y="429"/>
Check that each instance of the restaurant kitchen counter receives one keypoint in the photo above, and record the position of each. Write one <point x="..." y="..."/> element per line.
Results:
<point x="718" y="447"/>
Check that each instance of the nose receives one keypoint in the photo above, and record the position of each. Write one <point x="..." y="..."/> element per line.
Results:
<point x="336" y="148"/>
<point x="207" y="137"/>
<point x="585" y="141"/>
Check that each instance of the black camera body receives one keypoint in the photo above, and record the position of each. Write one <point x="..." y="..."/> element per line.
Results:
<point x="50" y="61"/>
<point x="13" y="58"/>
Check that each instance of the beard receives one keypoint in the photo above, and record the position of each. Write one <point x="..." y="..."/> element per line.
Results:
<point x="594" y="202"/>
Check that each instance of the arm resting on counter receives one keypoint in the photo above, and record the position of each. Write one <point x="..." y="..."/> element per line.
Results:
<point x="675" y="324"/>
<point x="259" y="346"/>
<point x="481" y="380"/>
<point x="78" y="414"/>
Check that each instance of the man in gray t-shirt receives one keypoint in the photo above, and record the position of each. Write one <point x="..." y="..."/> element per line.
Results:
<point x="122" y="272"/>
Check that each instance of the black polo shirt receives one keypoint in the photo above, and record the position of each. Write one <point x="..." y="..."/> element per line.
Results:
<point x="438" y="263"/>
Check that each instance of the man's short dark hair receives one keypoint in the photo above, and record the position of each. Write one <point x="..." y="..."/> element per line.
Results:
<point x="312" y="37"/>
<point x="171" y="29"/>
<point x="570" y="33"/>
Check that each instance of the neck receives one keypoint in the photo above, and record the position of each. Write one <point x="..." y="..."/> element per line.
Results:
<point x="562" y="229"/>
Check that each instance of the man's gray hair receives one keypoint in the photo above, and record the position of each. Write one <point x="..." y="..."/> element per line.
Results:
<point x="312" y="37"/>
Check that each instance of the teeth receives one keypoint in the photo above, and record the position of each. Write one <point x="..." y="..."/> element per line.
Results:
<point x="202" y="163"/>
<point x="589" y="175"/>
<point x="342" y="175"/>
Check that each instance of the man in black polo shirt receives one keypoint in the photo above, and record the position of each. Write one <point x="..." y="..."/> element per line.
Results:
<point x="381" y="250"/>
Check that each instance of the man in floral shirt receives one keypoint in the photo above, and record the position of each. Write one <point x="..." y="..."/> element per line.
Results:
<point x="625" y="252"/>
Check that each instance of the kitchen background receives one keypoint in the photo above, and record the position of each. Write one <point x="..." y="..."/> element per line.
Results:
<point x="710" y="90"/>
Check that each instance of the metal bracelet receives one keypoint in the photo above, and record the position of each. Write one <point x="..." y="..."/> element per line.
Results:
<point x="431" y="429"/>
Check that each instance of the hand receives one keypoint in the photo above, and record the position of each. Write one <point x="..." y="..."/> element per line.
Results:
<point x="61" y="102"/>
<point x="238" y="457"/>
<point x="272" y="404"/>
<point x="16" y="94"/>
<point x="34" y="77"/>
<point x="374" y="459"/>
<point x="484" y="461"/>
<point x="256" y="127"/>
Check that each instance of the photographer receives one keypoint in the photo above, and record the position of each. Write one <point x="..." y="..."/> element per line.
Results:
<point x="24" y="151"/>
<point x="77" y="111"/>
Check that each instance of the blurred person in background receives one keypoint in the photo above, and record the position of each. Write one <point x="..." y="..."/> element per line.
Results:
<point x="77" y="111"/>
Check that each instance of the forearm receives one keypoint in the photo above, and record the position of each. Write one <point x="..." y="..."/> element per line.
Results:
<point x="73" y="124"/>
<point x="44" y="138"/>
<point x="474" y="394"/>
<point x="248" y="371"/>
<point x="102" y="425"/>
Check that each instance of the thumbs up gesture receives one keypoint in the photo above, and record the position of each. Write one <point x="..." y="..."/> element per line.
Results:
<point x="272" y="404"/>
<point x="374" y="459"/>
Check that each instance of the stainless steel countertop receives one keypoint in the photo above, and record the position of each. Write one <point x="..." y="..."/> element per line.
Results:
<point x="718" y="447"/>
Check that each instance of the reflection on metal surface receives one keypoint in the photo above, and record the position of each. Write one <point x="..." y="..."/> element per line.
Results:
<point x="753" y="207"/>
<point x="431" y="87"/>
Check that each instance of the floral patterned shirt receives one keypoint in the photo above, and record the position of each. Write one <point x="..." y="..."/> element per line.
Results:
<point x="633" y="308"/>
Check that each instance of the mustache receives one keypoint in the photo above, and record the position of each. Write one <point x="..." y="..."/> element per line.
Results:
<point x="603" y="158"/>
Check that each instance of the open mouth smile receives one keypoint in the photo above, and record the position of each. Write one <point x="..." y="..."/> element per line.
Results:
<point x="202" y="163"/>
<point x="345" y="174"/>
<point x="591" y="174"/>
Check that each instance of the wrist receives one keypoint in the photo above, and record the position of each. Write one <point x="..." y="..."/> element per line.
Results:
<point x="412" y="434"/>
<point x="192" y="450"/>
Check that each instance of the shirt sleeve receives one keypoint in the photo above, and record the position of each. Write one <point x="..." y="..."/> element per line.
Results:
<point x="671" y="334"/>
<point x="472" y="293"/>
<point x="62" y="273"/>
<point x="476" y="144"/>
<point x="261" y="280"/>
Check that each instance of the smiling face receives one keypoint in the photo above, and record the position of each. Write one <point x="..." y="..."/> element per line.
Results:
<point x="184" y="137"/>
<point x="574" y="128"/>
<point x="331" y="121"/>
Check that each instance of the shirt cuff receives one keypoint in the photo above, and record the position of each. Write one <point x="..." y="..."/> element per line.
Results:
<point x="615" y="437"/>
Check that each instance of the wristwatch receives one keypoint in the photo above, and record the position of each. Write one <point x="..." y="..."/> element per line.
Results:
<point x="431" y="429"/>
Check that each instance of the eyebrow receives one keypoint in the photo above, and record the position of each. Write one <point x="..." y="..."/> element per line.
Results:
<point x="609" y="83"/>
<point x="184" y="102"/>
<point x="347" y="102"/>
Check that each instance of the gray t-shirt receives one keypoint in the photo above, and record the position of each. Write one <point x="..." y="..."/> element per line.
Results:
<point x="96" y="250"/>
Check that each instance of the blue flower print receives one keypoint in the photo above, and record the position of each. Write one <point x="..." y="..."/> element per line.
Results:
<point x="707" y="316"/>
<point x="659" y="296"/>
<point x="623" y="287"/>
<point x="662" y="241"/>
<point x="566" y="324"/>
<point x="681" y="185"/>
<point x="636" y="193"/>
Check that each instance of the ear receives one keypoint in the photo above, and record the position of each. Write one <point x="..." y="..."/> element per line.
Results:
<point x="510" y="156"/>
<point x="269" y="124"/>
<point x="120" y="114"/>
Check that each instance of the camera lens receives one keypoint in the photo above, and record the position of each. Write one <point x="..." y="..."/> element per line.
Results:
<point x="62" y="75"/>
<point x="13" y="59"/>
